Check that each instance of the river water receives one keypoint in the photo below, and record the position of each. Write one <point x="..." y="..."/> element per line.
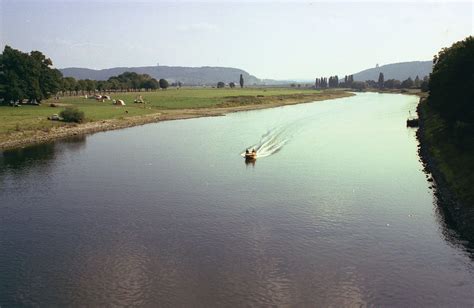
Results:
<point x="336" y="211"/>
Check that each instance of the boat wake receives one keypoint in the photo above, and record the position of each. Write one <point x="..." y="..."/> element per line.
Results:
<point x="273" y="140"/>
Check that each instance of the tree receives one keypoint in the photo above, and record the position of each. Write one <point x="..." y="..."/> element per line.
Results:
<point x="232" y="85"/>
<point x="24" y="75"/>
<point x="163" y="84"/>
<point x="417" y="82"/>
<point x="81" y="85"/>
<point x="68" y="84"/>
<point x="392" y="84"/>
<point x="220" y="84"/>
<point x="90" y="85"/>
<point x="407" y="83"/>
<point x="241" y="81"/>
<point x="451" y="84"/>
<point x="150" y="84"/>
<point x="425" y="84"/>
<point x="358" y="85"/>
<point x="381" y="80"/>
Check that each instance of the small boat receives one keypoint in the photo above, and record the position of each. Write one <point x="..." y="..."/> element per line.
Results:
<point x="251" y="156"/>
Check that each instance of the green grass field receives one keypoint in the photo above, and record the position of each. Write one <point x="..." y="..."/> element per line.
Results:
<point x="32" y="118"/>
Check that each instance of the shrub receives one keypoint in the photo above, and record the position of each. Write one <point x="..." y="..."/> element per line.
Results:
<point x="220" y="84"/>
<point x="72" y="115"/>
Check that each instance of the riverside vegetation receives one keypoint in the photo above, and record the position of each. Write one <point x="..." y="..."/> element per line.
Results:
<point x="447" y="129"/>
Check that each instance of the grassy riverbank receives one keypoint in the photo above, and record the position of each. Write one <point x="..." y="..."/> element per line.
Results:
<point x="29" y="124"/>
<point x="454" y="162"/>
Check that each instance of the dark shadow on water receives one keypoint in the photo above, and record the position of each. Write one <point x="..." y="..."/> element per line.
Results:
<point x="250" y="162"/>
<point x="24" y="158"/>
<point x="39" y="155"/>
<point x="461" y="237"/>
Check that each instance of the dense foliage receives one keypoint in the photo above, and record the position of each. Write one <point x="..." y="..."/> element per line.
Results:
<point x="128" y="81"/>
<point x="163" y="84"/>
<point x="71" y="114"/>
<point x="451" y="84"/>
<point x="27" y="76"/>
<point x="381" y="80"/>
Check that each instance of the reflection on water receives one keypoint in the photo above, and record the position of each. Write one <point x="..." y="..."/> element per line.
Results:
<point x="167" y="215"/>
<point x="38" y="155"/>
<point x="250" y="162"/>
<point x="459" y="237"/>
<point x="24" y="158"/>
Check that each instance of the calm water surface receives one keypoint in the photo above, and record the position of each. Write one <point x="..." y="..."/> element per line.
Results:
<point x="337" y="212"/>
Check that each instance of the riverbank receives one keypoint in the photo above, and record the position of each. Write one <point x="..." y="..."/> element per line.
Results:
<point x="452" y="169"/>
<point x="122" y="117"/>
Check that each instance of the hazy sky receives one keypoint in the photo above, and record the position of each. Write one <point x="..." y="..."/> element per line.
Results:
<point x="279" y="40"/>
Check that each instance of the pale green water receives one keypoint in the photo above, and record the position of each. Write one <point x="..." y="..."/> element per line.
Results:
<point x="169" y="214"/>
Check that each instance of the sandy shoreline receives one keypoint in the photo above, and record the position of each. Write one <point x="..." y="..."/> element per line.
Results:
<point x="23" y="139"/>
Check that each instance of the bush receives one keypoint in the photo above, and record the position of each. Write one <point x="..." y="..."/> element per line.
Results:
<point x="220" y="84"/>
<point x="72" y="115"/>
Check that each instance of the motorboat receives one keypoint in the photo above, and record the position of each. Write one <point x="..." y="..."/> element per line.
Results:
<point x="251" y="155"/>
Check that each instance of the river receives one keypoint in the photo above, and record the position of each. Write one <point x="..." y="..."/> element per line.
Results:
<point x="336" y="211"/>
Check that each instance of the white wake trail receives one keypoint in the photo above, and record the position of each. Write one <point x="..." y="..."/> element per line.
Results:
<point x="273" y="140"/>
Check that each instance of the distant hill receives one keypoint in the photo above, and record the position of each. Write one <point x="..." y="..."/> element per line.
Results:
<point x="400" y="71"/>
<point x="206" y="75"/>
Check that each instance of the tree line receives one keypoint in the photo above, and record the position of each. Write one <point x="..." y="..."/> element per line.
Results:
<point x="125" y="82"/>
<point x="451" y="89"/>
<point x="381" y="83"/>
<point x="31" y="76"/>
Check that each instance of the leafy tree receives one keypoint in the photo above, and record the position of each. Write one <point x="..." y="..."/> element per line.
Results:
<point x="425" y="84"/>
<point x="417" y="82"/>
<point x="381" y="80"/>
<point x="163" y="84"/>
<point x="220" y="84"/>
<point x="150" y="84"/>
<point x="90" y="85"/>
<point x="392" y="84"/>
<point x="241" y="81"/>
<point x="358" y="85"/>
<point x="451" y="83"/>
<point x="24" y="75"/>
<point x="81" y="85"/>
<point x="407" y="83"/>
<point x="68" y="84"/>
<point x="232" y="85"/>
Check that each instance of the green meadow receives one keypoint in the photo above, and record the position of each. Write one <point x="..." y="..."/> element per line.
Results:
<point x="30" y="118"/>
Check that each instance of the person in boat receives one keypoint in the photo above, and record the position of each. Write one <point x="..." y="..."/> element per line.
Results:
<point x="253" y="151"/>
<point x="247" y="151"/>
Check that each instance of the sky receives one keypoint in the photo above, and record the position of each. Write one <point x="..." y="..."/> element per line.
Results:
<point x="268" y="39"/>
